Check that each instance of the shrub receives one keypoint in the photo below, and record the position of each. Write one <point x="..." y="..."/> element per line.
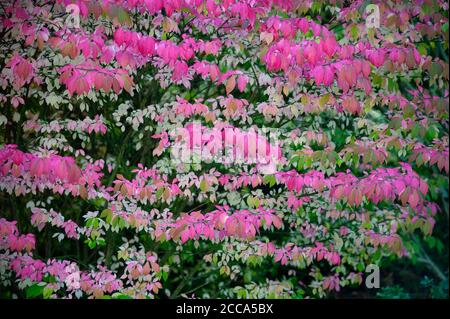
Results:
<point x="237" y="148"/>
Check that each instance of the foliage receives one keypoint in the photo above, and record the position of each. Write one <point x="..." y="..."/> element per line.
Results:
<point x="323" y="147"/>
<point x="393" y="292"/>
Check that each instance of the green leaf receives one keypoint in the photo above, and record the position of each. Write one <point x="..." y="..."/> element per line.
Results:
<point x="106" y="212"/>
<point x="204" y="186"/>
<point x="159" y="192"/>
<point x="35" y="290"/>
<point x="47" y="292"/>
<point x="123" y="17"/>
<point x="121" y="296"/>
<point x="91" y="243"/>
<point x="250" y="201"/>
<point x="270" y="179"/>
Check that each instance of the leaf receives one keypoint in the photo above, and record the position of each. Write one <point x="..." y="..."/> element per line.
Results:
<point x="166" y="193"/>
<point x="414" y="199"/>
<point x="91" y="243"/>
<point x="106" y="213"/>
<point x="270" y="179"/>
<point x="324" y="99"/>
<point x="159" y="192"/>
<point x="35" y="290"/>
<point x="242" y="83"/>
<point x="277" y="222"/>
<point x="445" y="27"/>
<point x="204" y="185"/>
<point x="266" y="37"/>
<point x="47" y="292"/>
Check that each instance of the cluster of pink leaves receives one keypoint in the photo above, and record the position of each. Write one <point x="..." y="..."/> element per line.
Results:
<point x="176" y="56"/>
<point x="139" y="274"/>
<point x="140" y="189"/>
<point x="244" y="223"/>
<point x="381" y="184"/>
<point x="388" y="184"/>
<point x="130" y="49"/>
<point x="241" y="10"/>
<point x="392" y="241"/>
<point x="23" y="71"/>
<point x="423" y="103"/>
<point x="25" y="172"/>
<point x="436" y="155"/>
<point x="90" y="46"/>
<point x="327" y="61"/>
<point x="331" y="283"/>
<point x="40" y="217"/>
<point x="288" y="28"/>
<point x="83" y="77"/>
<point x="11" y="239"/>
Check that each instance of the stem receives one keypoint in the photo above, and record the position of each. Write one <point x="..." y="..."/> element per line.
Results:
<point x="432" y="266"/>
<point x="424" y="258"/>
